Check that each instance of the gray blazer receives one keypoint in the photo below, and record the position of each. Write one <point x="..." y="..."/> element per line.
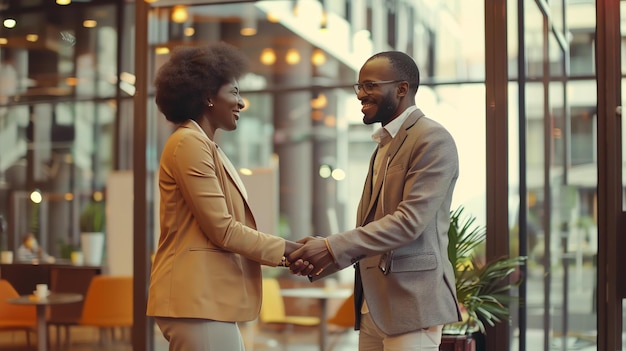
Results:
<point x="399" y="246"/>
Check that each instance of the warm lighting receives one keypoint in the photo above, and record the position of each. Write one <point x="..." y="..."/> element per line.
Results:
<point x="317" y="115"/>
<point x="150" y="1"/>
<point x="64" y="2"/>
<point x="318" y="57"/>
<point x="9" y="23"/>
<point x="3" y="41"/>
<point x="268" y="56"/>
<point x="162" y="50"/>
<point x="319" y="102"/>
<point x="330" y="121"/>
<point x="89" y="23"/>
<point x="189" y="31"/>
<point x="98" y="196"/>
<point x="245" y="171"/>
<point x="36" y="196"/>
<point x="68" y="196"/>
<point x="32" y="37"/>
<point x="248" y="21"/>
<point x="272" y="17"/>
<point x="292" y="57"/>
<point x="71" y="81"/>
<point x="324" y="20"/>
<point x="247" y="31"/>
<point x="180" y="14"/>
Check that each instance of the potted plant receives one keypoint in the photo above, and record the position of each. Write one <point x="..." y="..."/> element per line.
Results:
<point x="482" y="287"/>
<point x="92" y="228"/>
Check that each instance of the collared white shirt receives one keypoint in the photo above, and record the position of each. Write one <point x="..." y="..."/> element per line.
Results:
<point x="393" y="127"/>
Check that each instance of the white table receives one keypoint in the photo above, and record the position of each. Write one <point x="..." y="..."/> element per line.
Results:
<point x="52" y="299"/>
<point x="322" y="295"/>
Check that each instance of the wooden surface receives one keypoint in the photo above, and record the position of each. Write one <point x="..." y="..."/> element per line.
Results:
<point x="457" y="343"/>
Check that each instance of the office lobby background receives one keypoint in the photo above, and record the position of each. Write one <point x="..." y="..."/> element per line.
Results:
<point x="68" y="119"/>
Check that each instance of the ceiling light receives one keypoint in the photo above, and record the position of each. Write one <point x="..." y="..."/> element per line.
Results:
<point x="248" y="21"/>
<point x="32" y="37"/>
<point x="162" y="50"/>
<point x="268" y="56"/>
<point x="64" y="2"/>
<point x="318" y="57"/>
<point x="9" y="23"/>
<point x="292" y="57"/>
<point x="189" y="31"/>
<point x="180" y="14"/>
<point x="89" y="23"/>
<point x="319" y="102"/>
<point x="272" y="17"/>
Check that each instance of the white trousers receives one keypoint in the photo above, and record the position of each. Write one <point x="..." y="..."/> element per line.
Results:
<point x="373" y="339"/>
<point x="186" y="334"/>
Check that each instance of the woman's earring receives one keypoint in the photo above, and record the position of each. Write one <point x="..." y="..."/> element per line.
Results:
<point x="209" y="103"/>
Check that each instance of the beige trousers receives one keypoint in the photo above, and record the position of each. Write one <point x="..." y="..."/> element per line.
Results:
<point x="185" y="334"/>
<point x="373" y="339"/>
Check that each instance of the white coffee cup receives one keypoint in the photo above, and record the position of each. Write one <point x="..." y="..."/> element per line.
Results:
<point x="6" y="257"/>
<point x="77" y="258"/>
<point x="41" y="291"/>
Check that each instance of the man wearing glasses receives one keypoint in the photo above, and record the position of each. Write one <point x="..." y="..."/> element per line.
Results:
<point x="404" y="285"/>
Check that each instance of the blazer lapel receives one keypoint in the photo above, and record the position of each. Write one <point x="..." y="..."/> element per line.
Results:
<point x="370" y="197"/>
<point x="222" y="161"/>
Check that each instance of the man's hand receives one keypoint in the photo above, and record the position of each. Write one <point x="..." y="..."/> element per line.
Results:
<point x="311" y="258"/>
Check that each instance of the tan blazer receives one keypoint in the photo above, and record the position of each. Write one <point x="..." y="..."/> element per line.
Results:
<point x="406" y="233"/>
<point x="209" y="256"/>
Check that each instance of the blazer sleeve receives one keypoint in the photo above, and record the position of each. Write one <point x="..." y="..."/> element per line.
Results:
<point x="194" y="168"/>
<point x="419" y="183"/>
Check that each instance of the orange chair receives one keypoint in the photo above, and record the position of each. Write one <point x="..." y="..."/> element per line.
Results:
<point x="343" y="318"/>
<point x="108" y="304"/>
<point x="68" y="280"/>
<point x="273" y="311"/>
<point x="15" y="317"/>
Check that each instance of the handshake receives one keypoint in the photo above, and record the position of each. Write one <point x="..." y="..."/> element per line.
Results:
<point x="308" y="256"/>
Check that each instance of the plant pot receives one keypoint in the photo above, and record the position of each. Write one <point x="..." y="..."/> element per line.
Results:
<point x="92" y="246"/>
<point x="462" y="342"/>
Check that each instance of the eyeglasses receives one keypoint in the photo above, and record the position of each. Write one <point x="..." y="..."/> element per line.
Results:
<point x="368" y="87"/>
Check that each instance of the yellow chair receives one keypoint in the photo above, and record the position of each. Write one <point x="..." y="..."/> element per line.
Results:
<point x="108" y="304"/>
<point x="15" y="317"/>
<point x="273" y="311"/>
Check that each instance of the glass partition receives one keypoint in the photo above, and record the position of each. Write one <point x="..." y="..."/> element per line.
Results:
<point x="561" y="221"/>
<point x="58" y="112"/>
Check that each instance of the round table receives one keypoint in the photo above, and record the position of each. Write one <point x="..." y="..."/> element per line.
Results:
<point x="41" y="303"/>
<point x="322" y="295"/>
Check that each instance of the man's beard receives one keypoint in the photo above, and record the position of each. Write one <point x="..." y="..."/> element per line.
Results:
<point x="384" y="112"/>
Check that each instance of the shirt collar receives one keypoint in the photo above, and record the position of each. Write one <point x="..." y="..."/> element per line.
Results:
<point x="393" y="127"/>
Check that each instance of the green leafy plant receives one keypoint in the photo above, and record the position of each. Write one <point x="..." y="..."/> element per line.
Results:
<point x="482" y="288"/>
<point x="92" y="218"/>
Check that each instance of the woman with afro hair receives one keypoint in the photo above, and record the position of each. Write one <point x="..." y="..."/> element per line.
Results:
<point x="206" y="275"/>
